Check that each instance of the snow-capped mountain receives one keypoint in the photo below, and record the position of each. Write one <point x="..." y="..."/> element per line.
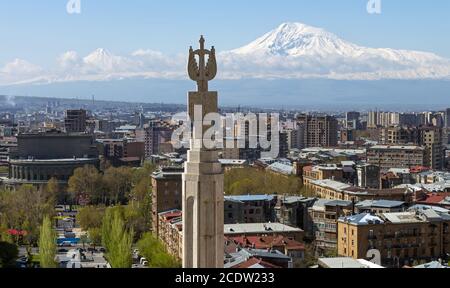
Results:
<point x="296" y="50"/>
<point x="103" y="60"/>
<point x="296" y="39"/>
<point x="290" y="51"/>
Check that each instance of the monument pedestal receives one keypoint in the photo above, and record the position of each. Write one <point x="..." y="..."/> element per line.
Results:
<point x="203" y="207"/>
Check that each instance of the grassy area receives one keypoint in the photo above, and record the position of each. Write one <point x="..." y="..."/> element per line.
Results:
<point x="3" y="170"/>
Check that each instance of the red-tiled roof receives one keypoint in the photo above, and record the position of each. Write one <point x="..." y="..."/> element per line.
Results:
<point x="435" y="198"/>
<point x="170" y="215"/>
<point x="254" y="261"/>
<point x="266" y="242"/>
<point x="419" y="169"/>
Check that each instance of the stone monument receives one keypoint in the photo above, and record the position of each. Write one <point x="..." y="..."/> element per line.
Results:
<point x="203" y="194"/>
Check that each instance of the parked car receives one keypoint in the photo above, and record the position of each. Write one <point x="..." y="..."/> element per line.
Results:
<point x="70" y="235"/>
<point x="66" y="244"/>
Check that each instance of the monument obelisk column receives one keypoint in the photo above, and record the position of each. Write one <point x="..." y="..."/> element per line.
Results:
<point x="203" y="194"/>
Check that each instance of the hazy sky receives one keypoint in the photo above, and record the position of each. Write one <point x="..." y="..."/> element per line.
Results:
<point x="39" y="31"/>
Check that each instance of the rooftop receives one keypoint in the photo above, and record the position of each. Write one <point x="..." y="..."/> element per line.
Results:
<point x="282" y="168"/>
<point x="338" y="186"/>
<point x="362" y="219"/>
<point x="255" y="228"/>
<point x="232" y="162"/>
<point x="380" y="204"/>
<point x="344" y="263"/>
<point x="245" y="198"/>
<point x="397" y="147"/>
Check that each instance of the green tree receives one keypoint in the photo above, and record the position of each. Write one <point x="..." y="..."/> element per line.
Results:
<point x="84" y="240"/>
<point x="117" y="239"/>
<point x="52" y="191"/>
<point x="90" y="217"/>
<point x="24" y="209"/>
<point x="8" y="254"/>
<point x="4" y="235"/>
<point x="153" y="250"/>
<point x="95" y="236"/>
<point x="47" y="244"/>
<point x="118" y="182"/>
<point x="86" y="186"/>
<point x="254" y="181"/>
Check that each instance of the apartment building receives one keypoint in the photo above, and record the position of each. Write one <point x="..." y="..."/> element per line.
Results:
<point x="75" y="121"/>
<point x="432" y="139"/>
<point x="167" y="192"/>
<point x="319" y="131"/>
<point x="249" y="209"/>
<point x="387" y="157"/>
<point x="171" y="232"/>
<point x="399" y="135"/>
<point x="322" y="172"/>
<point x="324" y="215"/>
<point x="401" y="238"/>
<point x="333" y="190"/>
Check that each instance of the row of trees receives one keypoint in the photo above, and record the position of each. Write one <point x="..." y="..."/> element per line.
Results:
<point x="47" y="244"/>
<point x="254" y="181"/>
<point x="117" y="229"/>
<point x="24" y="209"/>
<point x="116" y="186"/>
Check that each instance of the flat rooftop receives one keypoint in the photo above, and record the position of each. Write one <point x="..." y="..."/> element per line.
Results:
<point x="254" y="228"/>
<point x="397" y="147"/>
<point x="345" y="263"/>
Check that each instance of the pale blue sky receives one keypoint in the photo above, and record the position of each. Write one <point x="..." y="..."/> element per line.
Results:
<point x="39" y="31"/>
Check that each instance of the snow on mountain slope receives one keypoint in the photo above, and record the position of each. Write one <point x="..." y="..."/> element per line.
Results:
<point x="296" y="50"/>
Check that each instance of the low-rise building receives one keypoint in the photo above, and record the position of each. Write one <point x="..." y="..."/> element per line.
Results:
<point x="324" y="215"/>
<point x="285" y="245"/>
<point x="170" y="232"/>
<point x="380" y="206"/>
<point x="322" y="172"/>
<point x="333" y="190"/>
<point x="293" y="211"/>
<point x="368" y="176"/>
<point x="263" y="229"/>
<point x="249" y="209"/>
